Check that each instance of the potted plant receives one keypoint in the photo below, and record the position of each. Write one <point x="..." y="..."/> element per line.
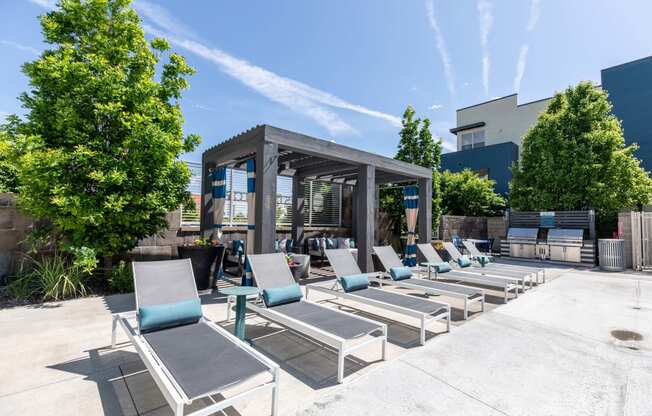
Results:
<point x="202" y="253"/>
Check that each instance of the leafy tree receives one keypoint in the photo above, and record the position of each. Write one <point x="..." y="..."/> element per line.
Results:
<point x="99" y="147"/>
<point x="416" y="146"/>
<point x="465" y="193"/>
<point x="575" y="157"/>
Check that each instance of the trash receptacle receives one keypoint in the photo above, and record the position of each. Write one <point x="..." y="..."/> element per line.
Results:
<point x="611" y="254"/>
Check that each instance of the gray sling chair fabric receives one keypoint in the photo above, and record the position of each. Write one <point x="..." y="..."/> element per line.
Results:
<point x="428" y="252"/>
<point x="340" y="330"/>
<point x="493" y="265"/>
<point x="513" y="275"/>
<point x="389" y="259"/>
<point x="198" y="359"/>
<point x="424" y="310"/>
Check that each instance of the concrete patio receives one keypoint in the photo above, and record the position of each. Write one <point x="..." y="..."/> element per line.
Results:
<point x="548" y="352"/>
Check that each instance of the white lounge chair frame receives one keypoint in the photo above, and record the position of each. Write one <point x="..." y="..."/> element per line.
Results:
<point x="342" y="346"/>
<point x="173" y="393"/>
<point x="509" y="285"/>
<point x="382" y="278"/>
<point x="475" y="253"/>
<point x="520" y="279"/>
<point x="424" y="318"/>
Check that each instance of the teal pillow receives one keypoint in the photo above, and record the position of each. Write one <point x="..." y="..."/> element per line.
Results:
<point x="354" y="282"/>
<point x="281" y="295"/>
<point x="329" y="243"/>
<point x="442" y="267"/>
<point x="484" y="260"/>
<point x="400" y="273"/>
<point x="168" y="315"/>
<point x="464" y="261"/>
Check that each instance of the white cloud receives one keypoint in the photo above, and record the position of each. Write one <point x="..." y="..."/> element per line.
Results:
<point x="486" y="22"/>
<point x="535" y="11"/>
<point x="441" y="130"/>
<point x="46" y="4"/>
<point x="441" y="47"/>
<point x="162" y="18"/>
<point x="520" y="67"/>
<point x="436" y="107"/>
<point x="295" y="95"/>
<point x="20" y="47"/>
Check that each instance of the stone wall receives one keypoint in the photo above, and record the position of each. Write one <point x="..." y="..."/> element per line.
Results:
<point x="13" y="228"/>
<point x="463" y="226"/>
<point x="496" y="229"/>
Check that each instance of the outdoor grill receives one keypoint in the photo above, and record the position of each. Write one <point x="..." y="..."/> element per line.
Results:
<point x="522" y="241"/>
<point x="565" y="244"/>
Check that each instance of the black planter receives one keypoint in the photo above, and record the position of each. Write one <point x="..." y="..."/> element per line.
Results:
<point x="202" y="259"/>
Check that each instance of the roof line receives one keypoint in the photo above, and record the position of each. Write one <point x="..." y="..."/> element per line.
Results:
<point x="626" y="63"/>
<point x="486" y="102"/>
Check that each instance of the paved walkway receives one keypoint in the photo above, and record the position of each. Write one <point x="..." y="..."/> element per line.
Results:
<point x="550" y="352"/>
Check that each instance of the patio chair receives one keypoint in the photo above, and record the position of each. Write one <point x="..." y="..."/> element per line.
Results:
<point x="389" y="259"/>
<point x="465" y="265"/>
<point x="188" y="356"/>
<point x="489" y="262"/>
<point x="342" y="331"/>
<point x="434" y="262"/>
<point x="354" y="286"/>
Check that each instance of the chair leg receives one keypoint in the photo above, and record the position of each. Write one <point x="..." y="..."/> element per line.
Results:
<point x="340" y="365"/>
<point x="384" y="343"/>
<point x="229" y="302"/>
<point x="275" y="392"/>
<point x="466" y="308"/>
<point x="114" y="327"/>
<point x="448" y="320"/>
<point x="423" y="330"/>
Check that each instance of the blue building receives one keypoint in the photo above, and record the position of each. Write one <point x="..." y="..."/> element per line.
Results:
<point x="489" y="134"/>
<point x="630" y="91"/>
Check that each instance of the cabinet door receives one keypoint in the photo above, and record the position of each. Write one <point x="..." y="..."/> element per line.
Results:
<point x="557" y="253"/>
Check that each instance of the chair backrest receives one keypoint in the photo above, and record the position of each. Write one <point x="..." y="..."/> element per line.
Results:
<point x="343" y="262"/>
<point x="472" y="248"/>
<point x="452" y="251"/>
<point x="270" y="270"/>
<point x="429" y="253"/>
<point x="165" y="281"/>
<point x="388" y="257"/>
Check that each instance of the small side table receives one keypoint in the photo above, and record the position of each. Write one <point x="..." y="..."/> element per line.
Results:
<point x="241" y="293"/>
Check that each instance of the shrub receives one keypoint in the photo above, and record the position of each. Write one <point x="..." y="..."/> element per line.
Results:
<point x="49" y="277"/>
<point x="121" y="279"/>
<point x="465" y="193"/>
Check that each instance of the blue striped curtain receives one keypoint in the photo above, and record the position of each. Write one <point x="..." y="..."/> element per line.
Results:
<point x="219" y="197"/>
<point x="411" y="203"/>
<point x="251" y="216"/>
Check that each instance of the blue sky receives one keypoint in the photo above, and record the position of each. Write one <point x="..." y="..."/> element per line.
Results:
<point x="345" y="70"/>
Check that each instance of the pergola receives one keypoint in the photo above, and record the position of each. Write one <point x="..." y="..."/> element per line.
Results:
<point x="282" y="152"/>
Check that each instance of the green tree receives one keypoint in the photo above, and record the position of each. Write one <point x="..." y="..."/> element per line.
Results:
<point x="8" y="170"/>
<point x="575" y="157"/>
<point x="416" y="146"/>
<point x="100" y="145"/>
<point x="465" y="193"/>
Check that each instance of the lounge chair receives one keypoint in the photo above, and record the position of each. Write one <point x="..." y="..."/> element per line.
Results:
<point x="389" y="259"/>
<point x="354" y="285"/>
<point x="434" y="263"/>
<point x="463" y="264"/>
<point x="188" y="356"/>
<point x="489" y="262"/>
<point x="342" y="331"/>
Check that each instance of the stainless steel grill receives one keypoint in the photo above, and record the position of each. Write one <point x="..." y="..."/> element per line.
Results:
<point x="565" y="244"/>
<point x="523" y="235"/>
<point x="522" y="241"/>
<point x="565" y="237"/>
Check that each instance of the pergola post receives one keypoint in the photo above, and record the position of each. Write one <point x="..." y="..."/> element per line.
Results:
<point x="266" y="172"/>
<point x="424" y="217"/>
<point x="298" y="210"/>
<point x="206" y="209"/>
<point x="365" y="216"/>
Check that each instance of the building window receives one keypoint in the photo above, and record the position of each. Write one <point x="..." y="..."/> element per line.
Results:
<point x="472" y="139"/>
